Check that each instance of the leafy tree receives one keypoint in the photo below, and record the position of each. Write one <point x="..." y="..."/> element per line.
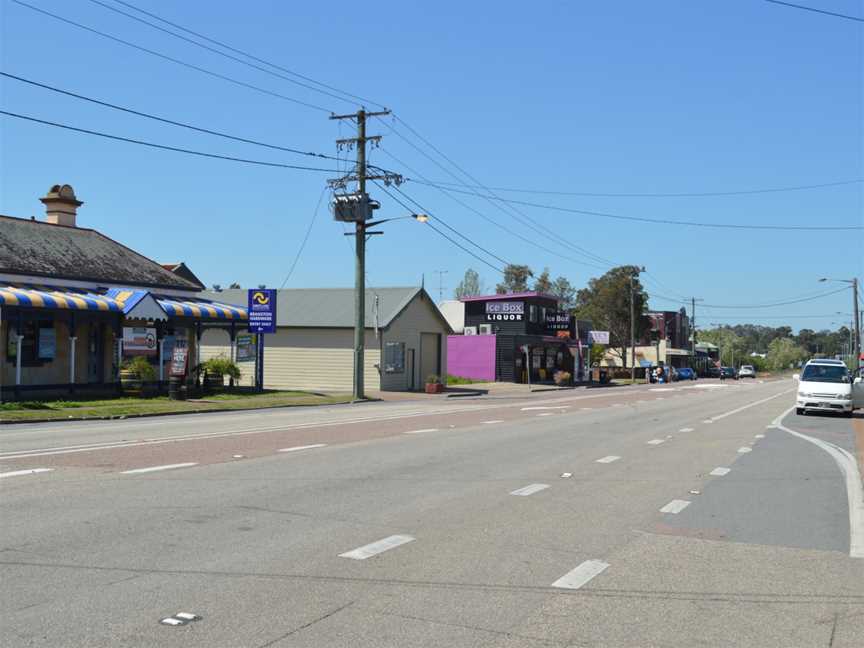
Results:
<point x="606" y="302"/>
<point x="469" y="286"/>
<point x="543" y="283"/>
<point x="565" y="293"/>
<point x="784" y="353"/>
<point x="734" y="348"/>
<point x="515" y="279"/>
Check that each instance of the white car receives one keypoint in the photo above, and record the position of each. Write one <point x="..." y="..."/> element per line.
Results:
<point x="747" y="371"/>
<point x="827" y="386"/>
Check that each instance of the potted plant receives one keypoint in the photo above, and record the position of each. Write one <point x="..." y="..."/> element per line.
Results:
<point x="434" y="385"/>
<point x="138" y="375"/>
<point x="215" y="370"/>
<point x="561" y="377"/>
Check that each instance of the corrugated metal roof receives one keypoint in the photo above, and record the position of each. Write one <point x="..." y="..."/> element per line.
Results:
<point x="327" y="307"/>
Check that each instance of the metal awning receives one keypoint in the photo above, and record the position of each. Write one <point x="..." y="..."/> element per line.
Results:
<point x="201" y="309"/>
<point x="53" y="298"/>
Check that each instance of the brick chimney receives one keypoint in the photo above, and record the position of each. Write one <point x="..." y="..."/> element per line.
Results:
<point x="61" y="206"/>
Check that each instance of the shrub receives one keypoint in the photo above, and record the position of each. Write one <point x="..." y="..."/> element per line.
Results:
<point x="141" y="368"/>
<point x="433" y="379"/>
<point x="221" y="366"/>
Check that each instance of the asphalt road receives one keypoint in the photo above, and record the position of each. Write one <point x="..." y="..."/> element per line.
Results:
<point x="581" y="518"/>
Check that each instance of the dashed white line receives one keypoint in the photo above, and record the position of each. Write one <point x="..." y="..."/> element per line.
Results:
<point x="686" y="430"/>
<point x="423" y="431"/>
<point x="608" y="459"/>
<point x="744" y="450"/>
<point x="19" y="473"/>
<point x="492" y="422"/>
<point x="760" y="436"/>
<point x="576" y="578"/>
<point x="675" y="506"/>
<point x="157" y="468"/>
<point x="720" y="471"/>
<point x="303" y="447"/>
<point x="545" y="414"/>
<point x="530" y="489"/>
<point x="544" y="407"/>
<point x="375" y="548"/>
<point x="656" y="441"/>
<point x="585" y="408"/>
<point x="707" y="421"/>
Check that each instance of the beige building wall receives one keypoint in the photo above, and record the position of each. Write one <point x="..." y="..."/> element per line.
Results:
<point x="418" y="317"/>
<point x="217" y="342"/>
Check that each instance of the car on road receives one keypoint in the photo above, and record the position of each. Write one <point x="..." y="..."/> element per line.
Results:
<point x="747" y="371"/>
<point x="686" y="373"/>
<point x="728" y="372"/>
<point x="828" y="386"/>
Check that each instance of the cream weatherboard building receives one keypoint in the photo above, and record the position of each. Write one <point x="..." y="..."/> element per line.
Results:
<point x="313" y="348"/>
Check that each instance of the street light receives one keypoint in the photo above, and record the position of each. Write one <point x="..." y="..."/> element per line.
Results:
<point x="420" y="218"/>
<point x="856" y="343"/>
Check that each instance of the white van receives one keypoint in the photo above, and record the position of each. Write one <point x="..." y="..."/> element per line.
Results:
<point x="827" y="386"/>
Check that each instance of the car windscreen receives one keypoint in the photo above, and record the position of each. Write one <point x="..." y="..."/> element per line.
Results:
<point x="825" y="373"/>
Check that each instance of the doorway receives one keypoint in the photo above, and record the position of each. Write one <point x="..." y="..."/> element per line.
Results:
<point x="430" y="355"/>
<point x="96" y="353"/>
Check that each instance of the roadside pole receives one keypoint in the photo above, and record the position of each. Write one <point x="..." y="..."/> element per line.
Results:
<point x="855" y="309"/>
<point x="632" y="337"/>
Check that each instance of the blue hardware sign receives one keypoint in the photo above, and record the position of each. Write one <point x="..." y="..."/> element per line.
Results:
<point x="262" y="310"/>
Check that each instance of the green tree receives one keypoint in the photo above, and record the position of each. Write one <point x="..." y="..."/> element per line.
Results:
<point x="734" y="349"/>
<point x="565" y="293"/>
<point x="543" y="283"/>
<point x="515" y="279"/>
<point x="470" y="285"/>
<point x="606" y="302"/>
<point x="783" y="353"/>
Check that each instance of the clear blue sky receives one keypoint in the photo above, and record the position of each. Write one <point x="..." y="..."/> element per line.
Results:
<point x="606" y="97"/>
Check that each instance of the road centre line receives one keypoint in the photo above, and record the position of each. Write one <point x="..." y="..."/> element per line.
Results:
<point x="744" y="450"/>
<point x="492" y="422"/>
<point x="656" y="441"/>
<point x="530" y="489"/>
<point x="375" y="548"/>
<point x="544" y="407"/>
<point x="423" y="431"/>
<point x="157" y="468"/>
<point x="581" y="575"/>
<point x="675" y="506"/>
<point x="19" y="473"/>
<point x="545" y="414"/>
<point x="303" y="447"/>
<point x="720" y="471"/>
<point x="608" y="459"/>
<point x="852" y="476"/>
<point x="686" y="429"/>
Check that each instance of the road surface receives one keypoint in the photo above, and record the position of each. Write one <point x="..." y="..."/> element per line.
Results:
<point x="684" y="515"/>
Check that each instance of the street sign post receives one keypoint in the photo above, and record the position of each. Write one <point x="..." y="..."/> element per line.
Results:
<point x="262" y="319"/>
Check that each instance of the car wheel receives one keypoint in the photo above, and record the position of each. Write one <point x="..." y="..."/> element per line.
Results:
<point x="848" y="414"/>
<point x="800" y="411"/>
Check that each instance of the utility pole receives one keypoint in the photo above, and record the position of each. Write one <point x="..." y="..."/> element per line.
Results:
<point x="693" y="301"/>
<point x="633" y="329"/>
<point x="857" y="345"/>
<point x="440" y="274"/>
<point x="359" y="209"/>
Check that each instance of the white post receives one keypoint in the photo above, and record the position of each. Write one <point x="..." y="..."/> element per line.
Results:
<point x="18" y="338"/>
<point x="72" y="342"/>
<point x="161" y="363"/>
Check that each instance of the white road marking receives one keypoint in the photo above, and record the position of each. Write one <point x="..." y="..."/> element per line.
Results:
<point x="545" y="414"/>
<point x="608" y="459"/>
<point x="576" y="578"/>
<point x="566" y="475"/>
<point x="707" y="421"/>
<point x="854" y="488"/>
<point x="659" y="398"/>
<point x="544" y="407"/>
<point x="720" y="471"/>
<point x="747" y="406"/>
<point x="760" y="436"/>
<point x="491" y="422"/>
<point x="423" y="431"/>
<point x="617" y="404"/>
<point x="157" y="468"/>
<point x="375" y="548"/>
<point x="744" y="449"/>
<point x="586" y="408"/>
<point x="305" y="447"/>
<point x="662" y="389"/>
<point x="686" y="430"/>
<point x="530" y="489"/>
<point x="656" y="441"/>
<point x="675" y="506"/>
<point x="188" y="616"/>
<point x="171" y="621"/>
<point x="31" y="471"/>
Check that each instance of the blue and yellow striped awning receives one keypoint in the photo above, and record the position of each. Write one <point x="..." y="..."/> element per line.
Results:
<point x="200" y="309"/>
<point x="55" y="298"/>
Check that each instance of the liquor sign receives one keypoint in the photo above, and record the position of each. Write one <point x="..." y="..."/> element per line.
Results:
<point x="139" y="340"/>
<point x="179" y="358"/>
<point x="262" y="310"/>
<point x="501" y="311"/>
<point x="558" y="321"/>
<point x="246" y="347"/>
<point x="599" y="337"/>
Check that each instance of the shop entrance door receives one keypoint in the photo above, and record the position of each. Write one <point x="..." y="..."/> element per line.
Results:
<point x="96" y="353"/>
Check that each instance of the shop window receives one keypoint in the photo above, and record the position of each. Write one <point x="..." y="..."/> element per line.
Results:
<point x="532" y="313"/>
<point x="38" y="343"/>
<point x="394" y="357"/>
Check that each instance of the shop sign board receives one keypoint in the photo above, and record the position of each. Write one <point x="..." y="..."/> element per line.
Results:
<point x="139" y="340"/>
<point x="503" y="311"/>
<point x="179" y="358"/>
<point x="262" y="310"/>
<point x="245" y="347"/>
<point x="557" y="321"/>
<point x="599" y="337"/>
<point x="47" y="343"/>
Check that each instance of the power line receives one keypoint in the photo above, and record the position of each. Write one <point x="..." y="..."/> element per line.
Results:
<point x="700" y="194"/>
<point x="657" y="221"/>
<point x="163" y="146"/>
<point x="780" y="303"/>
<point x="168" y="121"/>
<point x="172" y="59"/>
<point x="305" y="238"/>
<point x="813" y="9"/>
<point x="247" y="54"/>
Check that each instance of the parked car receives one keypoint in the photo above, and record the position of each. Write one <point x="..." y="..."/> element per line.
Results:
<point x="747" y="371"/>
<point x="729" y="372"/>
<point x="827" y="386"/>
<point x="686" y="373"/>
<point x="713" y="372"/>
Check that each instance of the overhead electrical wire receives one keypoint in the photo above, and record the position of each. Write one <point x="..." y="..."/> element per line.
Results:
<point x="779" y="303"/>
<point x="658" y="221"/>
<point x="305" y="238"/>
<point x="165" y="147"/>
<point x="813" y="9"/>
<point x="169" y="121"/>
<point x="191" y="66"/>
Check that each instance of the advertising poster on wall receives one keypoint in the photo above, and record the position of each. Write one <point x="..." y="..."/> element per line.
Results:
<point x="245" y="347"/>
<point x="47" y="343"/>
<point x="139" y="340"/>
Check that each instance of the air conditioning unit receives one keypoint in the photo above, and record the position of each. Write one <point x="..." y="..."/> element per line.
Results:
<point x="470" y="330"/>
<point x="484" y="329"/>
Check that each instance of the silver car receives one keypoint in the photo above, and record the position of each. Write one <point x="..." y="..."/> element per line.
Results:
<point x="747" y="371"/>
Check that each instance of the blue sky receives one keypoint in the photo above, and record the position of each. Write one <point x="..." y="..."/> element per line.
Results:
<point x="609" y="97"/>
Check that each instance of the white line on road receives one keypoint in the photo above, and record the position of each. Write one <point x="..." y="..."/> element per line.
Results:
<point x="544" y="407"/>
<point x="608" y="459"/>
<point x="157" y="468"/>
<point x="423" y="431"/>
<point x="306" y="447"/>
<point x="656" y="441"/>
<point x="576" y="578"/>
<point x="747" y="406"/>
<point x="586" y="408"/>
<point x="707" y="421"/>
<point x="675" y="506"/>
<point x="375" y="548"/>
<point x="720" y="471"/>
<point x="545" y="414"/>
<point x="686" y="430"/>
<point x="760" y="436"/>
<point x="492" y="422"/>
<point x="744" y="450"/>
<point x="854" y="489"/>
<point x="617" y="404"/>
<point x="530" y="489"/>
<point x="31" y="471"/>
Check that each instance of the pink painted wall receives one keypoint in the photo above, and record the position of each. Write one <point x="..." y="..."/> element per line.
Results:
<point x="471" y="356"/>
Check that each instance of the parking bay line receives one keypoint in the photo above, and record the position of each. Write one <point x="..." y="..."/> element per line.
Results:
<point x="675" y="506"/>
<point x="530" y="489"/>
<point x="19" y="473"/>
<point x="303" y="447"/>
<point x="375" y="548"/>
<point x="578" y="577"/>
<point x="157" y="468"/>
